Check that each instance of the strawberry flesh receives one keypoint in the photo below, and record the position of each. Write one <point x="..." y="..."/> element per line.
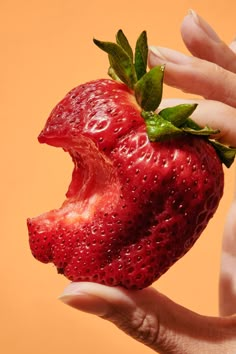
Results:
<point x="133" y="207"/>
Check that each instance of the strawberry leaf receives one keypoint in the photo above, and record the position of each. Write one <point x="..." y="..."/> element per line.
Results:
<point x="204" y="131"/>
<point x="226" y="153"/>
<point x="190" y="123"/>
<point x="178" y="114"/>
<point x="148" y="90"/>
<point x="112" y="74"/>
<point x="122" y="40"/>
<point x="141" y="54"/>
<point x="120" y="62"/>
<point x="159" y="129"/>
<point x="193" y="128"/>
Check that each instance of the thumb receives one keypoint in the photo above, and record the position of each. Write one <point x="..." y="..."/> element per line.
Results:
<point x="152" y="318"/>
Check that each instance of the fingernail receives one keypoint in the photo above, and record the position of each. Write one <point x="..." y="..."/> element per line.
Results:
<point x="204" y="26"/>
<point x="76" y="297"/>
<point x="160" y="55"/>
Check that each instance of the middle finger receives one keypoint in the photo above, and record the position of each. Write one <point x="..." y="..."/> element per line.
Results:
<point x="195" y="75"/>
<point x="203" y="42"/>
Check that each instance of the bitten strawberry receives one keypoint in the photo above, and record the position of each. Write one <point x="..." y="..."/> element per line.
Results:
<point x="144" y="184"/>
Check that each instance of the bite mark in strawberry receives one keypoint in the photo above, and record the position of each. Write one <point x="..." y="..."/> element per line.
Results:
<point x="144" y="185"/>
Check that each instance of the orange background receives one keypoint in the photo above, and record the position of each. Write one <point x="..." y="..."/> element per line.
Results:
<point x="46" y="49"/>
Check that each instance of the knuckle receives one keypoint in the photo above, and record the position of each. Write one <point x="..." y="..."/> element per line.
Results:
<point x="142" y="326"/>
<point x="148" y="330"/>
<point x="213" y="86"/>
<point x="221" y="85"/>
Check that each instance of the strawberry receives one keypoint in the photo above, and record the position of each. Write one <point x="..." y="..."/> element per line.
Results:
<point x="144" y="184"/>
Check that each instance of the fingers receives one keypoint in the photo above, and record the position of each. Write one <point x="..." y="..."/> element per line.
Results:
<point x="129" y="312"/>
<point x="211" y="73"/>
<point x="228" y="265"/>
<point x="203" y="42"/>
<point x="216" y="115"/>
<point x="195" y="76"/>
<point x="233" y="46"/>
<point x="153" y="319"/>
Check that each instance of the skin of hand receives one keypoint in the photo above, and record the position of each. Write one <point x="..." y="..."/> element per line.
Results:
<point x="147" y="315"/>
<point x="211" y="73"/>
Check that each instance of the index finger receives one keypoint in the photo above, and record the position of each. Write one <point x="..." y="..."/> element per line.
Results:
<point x="194" y="75"/>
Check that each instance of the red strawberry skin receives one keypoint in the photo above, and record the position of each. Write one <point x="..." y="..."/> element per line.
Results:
<point x="133" y="207"/>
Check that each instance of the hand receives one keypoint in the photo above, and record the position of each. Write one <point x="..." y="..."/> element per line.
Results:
<point x="155" y="320"/>
<point x="211" y="74"/>
<point x="147" y="315"/>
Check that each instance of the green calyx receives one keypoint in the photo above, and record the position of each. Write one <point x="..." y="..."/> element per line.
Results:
<point x="131" y="69"/>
